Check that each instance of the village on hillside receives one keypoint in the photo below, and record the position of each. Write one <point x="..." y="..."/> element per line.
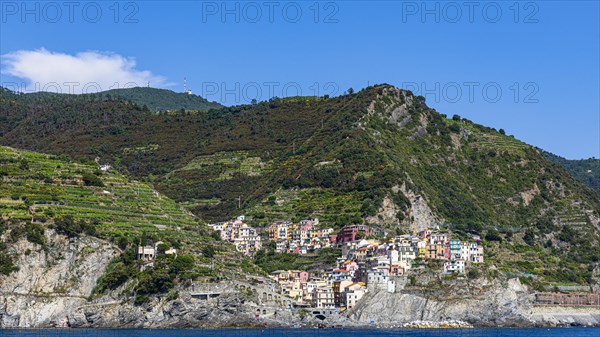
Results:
<point x="366" y="264"/>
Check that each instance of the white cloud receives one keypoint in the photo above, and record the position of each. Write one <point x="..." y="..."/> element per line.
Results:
<point x="88" y="71"/>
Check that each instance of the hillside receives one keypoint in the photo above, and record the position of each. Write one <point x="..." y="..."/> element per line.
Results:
<point x="162" y="99"/>
<point x="380" y="156"/>
<point x="45" y="199"/>
<point x="585" y="170"/>
<point x="151" y="98"/>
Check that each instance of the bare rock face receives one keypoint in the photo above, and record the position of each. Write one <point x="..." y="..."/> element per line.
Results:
<point x="497" y="305"/>
<point x="420" y="216"/>
<point x="184" y="312"/>
<point x="52" y="288"/>
<point x="386" y="213"/>
<point x="528" y="195"/>
<point x="69" y="266"/>
<point x="51" y="281"/>
<point x="385" y="308"/>
<point x="396" y="108"/>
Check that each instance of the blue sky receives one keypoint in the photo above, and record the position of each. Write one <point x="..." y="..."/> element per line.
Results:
<point x="531" y="68"/>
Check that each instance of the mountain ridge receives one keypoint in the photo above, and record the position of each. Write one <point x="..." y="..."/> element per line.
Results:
<point x="153" y="99"/>
<point x="377" y="156"/>
<point x="585" y="170"/>
<point x="82" y="272"/>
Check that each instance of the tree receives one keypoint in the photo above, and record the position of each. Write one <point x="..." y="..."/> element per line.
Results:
<point x="182" y="264"/>
<point x="473" y="274"/>
<point x="493" y="235"/>
<point x="154" y="281"/>
<point x="90" y="179"/>
<point x="529" y="237"/>
<point x="502" y="132"/>
<point x="161" y="248"/>
<point x="216" y="235"/>
<point x="6" y="262"/>
<point x="350" y="91"/>
<point x="208" y="251"/>
<point x="454" y="128"/>
<point x="456" y="118"/>
<point x="67" y="226"/>
<point x="35" y="234"/>
<point x="24" y="165"/>
<point x="119" y="275"/>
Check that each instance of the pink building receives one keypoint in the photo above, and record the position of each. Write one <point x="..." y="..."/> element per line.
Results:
<point x="348" y="233"/>
<point x="300" y="275"/>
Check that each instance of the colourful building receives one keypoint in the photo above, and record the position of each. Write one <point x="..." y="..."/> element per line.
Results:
<point x="349" y="233"/>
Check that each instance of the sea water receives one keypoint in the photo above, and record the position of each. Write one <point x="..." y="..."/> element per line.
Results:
<point x="538" y="332"/>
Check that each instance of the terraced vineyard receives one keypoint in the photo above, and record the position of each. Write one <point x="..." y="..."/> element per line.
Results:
<point x="44" y="189"/>
<point x="328" y="205"/>
<point x="489" y="139"/>
<point x="501" y="143"/>
<point x="227" y="164"/>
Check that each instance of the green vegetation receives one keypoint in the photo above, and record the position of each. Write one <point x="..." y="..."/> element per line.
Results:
<point x="7" y="265"/>
<point x="331" y="158"/>
<point x="90" y="179"/>
<point x="35" y="233"/>
<point x="120" y="269"/>
<point x="161" y="99"/>
<point x="55" y="192"/>
<point x="585" y="170"/>
<point x="68" y="226"/>
<point x="150" y="98"/>
<point x="270" y="261"/>
<point x="50" y="193"/>
<point x="331" y="206"/>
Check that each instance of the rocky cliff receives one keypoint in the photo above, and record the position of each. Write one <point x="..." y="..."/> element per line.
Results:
<point x="50" y="281"/>
<point x="52" y="288"/>
<point x="489" y="303"/>
<point x="380" y="155"/>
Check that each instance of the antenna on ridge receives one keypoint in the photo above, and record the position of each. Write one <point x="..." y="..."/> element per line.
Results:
<point x="185" y="90"/>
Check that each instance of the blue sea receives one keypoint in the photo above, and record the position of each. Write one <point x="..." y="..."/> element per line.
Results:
<point x="545" y="332"/>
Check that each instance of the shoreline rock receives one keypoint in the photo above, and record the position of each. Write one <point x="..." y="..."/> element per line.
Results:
<point x="51" y="291"/>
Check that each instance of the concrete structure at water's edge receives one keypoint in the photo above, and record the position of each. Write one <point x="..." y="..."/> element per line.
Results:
<point x="568" y="300"/>
<point x="205" y="296"/>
